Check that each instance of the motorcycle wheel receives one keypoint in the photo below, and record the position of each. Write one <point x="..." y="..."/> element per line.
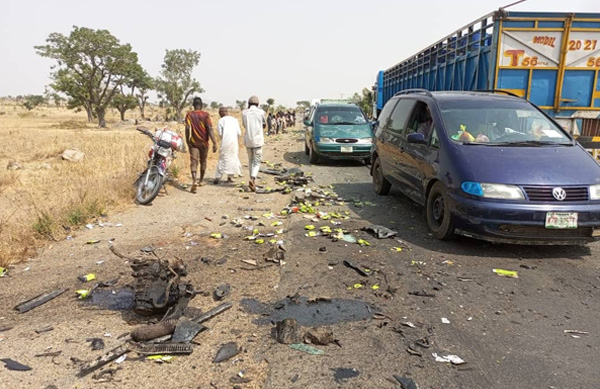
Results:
<point x="147" y="191"/>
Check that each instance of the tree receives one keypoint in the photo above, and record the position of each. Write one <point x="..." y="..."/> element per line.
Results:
<point x="215" y="105"/>
<point x="365" y="101"/>
<point x="175" y="83"/>
<point x="146" y="85"/>
<point x="303" y="103"/>
<point x="270" y="102"/>
<point x="91" y="67"/>
<point x="126" y="100"/>
<point x="241" y="104"/>
<point x="32" y="101"/>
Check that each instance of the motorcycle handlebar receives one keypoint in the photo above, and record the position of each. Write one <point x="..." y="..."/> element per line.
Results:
<point x="145" y="132"/>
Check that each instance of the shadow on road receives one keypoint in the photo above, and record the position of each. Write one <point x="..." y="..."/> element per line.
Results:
<point x="403" y="215"/>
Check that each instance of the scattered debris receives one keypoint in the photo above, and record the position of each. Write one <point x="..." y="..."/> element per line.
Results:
<point x="252" y="262"/>
<point x="380" y="232"/>
<point x="454" y="359"/>
<point x="307" y="349"/>
<point x="93" y="241"/>
<point x="44" y="329"/>
<point x="14" y="365"/>
<point x="72" y="155"/>
<point x="212" y="313"/>
<point x="221" y="292"/>
<point x="286" y="331"/>
<point x="506" y="273"/>
<point x="343" y="374"/>
<point x="421" y="293"/>
<point x="3" y="271"/>
<point x="41" y="299"/>
<point x="163" y="348"/>
<point x="406" y="382"/>
<point x="319" y="336"/>
<point x="445" y="320"/>
<point x="355" y="268"/>
<point x="226" y="351"/>
<point x="275" y="254"/>
<point x="185" y="331"/>
<point x="153" y="331"/>
<point x="576" y="332"/>
<point x="103" y="360"/>
<point x="160" y="358"/>
<point x="87" y="277"/>
<point x="96" y="343"/>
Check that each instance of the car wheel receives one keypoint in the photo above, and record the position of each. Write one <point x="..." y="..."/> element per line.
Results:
<point x="439" y="218"/>
<point x="306" y="149"/>
<point x="381" y="185"/>
<point x="313" y="157"/>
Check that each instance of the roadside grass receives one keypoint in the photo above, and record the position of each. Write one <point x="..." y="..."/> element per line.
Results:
<point x="47" y="197"/>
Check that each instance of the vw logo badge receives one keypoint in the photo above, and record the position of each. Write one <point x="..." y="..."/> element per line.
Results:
<point x="559" y="193"/>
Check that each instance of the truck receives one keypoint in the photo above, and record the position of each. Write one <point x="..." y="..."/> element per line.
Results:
<point x="552" y="59"/>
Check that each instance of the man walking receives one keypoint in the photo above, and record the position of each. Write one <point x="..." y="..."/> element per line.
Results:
<point x="254" y="122"/>
<point x="198" y="128"/>
<point x="229" y="160"/>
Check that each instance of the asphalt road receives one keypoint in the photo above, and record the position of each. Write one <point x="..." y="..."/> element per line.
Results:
<point x="512" y="332"/>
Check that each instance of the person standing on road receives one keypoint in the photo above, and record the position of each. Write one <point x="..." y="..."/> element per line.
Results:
<point x="229" y="160"/>
<point x="198" y="128"/>
<point x="254" y="122"/>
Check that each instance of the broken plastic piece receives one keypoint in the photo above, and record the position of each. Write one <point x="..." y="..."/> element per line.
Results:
<point x="83" y="293"/>
<point x="186" y="331"/>
<point x="307" y="349"/>
<point x="87" y="277"/>
<point x="445" y="320"/>
<point x="380" y="232"/>
<point x="506" y="273"/>
<point x="226" y="351"/>
<point x="93" y="241"/>
<point x="216" y="235"/>
<point x="348" y="238"/>
<point x="38" y="300"/>
<point x="375" y="287"/>
<point x="363" y="242"/>
<point x="454" y="359"/>
<point x="160" y="358"/>
<point x="309" y="227"/>
<point x="3" y="271"/>
<point x="396" y="249"/>
<point x="406" y="382"/>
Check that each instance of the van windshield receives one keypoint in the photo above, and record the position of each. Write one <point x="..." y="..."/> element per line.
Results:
<point x="340" y="115"/>
<point x="492" y="123"/>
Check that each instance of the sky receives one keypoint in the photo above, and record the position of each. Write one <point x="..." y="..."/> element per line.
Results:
<point x="282" y="49"/>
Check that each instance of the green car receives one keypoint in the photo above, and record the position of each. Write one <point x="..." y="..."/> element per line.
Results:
<point x="338" y="131"/>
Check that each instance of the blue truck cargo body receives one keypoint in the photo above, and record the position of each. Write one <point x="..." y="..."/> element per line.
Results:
<point x="552" y="59"/>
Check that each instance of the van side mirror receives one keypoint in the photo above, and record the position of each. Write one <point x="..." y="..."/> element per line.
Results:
<point x="374" y="124"/>
<point x="307" y="123"/>
<point x="416" y="137"/>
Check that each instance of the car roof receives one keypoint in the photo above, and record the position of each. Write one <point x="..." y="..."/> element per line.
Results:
<point x="464" y="95"/>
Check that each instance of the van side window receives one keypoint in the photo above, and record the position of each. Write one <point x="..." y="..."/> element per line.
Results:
<point x="434" y="141"/>
<point x="421" y="120"/>
<point x="384" y="115"/>
<point x="400" y="116"/>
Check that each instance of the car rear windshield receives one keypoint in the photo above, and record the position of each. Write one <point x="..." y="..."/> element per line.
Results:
<point x="339" y="115"/>
<point x="499" y="122"/>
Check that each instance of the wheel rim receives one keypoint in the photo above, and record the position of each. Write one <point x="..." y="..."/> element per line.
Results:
<point x="437" y="210"/>
<point x="147" y="190"/>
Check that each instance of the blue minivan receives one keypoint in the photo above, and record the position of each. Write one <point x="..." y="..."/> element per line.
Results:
<point x="487" y="165"/>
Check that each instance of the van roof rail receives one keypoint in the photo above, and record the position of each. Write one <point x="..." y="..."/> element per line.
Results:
<point x="498" y="91"/>
<point x="415" y="90"/>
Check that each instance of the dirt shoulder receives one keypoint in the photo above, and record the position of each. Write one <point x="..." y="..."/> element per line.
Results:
<point x="176" y="225"/>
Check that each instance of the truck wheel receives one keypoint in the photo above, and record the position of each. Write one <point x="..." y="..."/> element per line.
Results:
<point x="313" y="157"/>
<point x="381" y="185"/>
<point x="439" y="218"/>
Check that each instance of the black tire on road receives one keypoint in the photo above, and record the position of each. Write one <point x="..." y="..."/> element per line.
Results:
<point x="306" y="149"/>
<point x="437" y="212"/>
<point x="381" y="185"/>
<point x="313" y="157"/>
<point x="145" y="195"/>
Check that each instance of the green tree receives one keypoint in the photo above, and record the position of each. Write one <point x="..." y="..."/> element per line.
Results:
<point x="241" y="104"/>
<point x="270" y="102"/>
<point x="91" y="67"/>
<point x="303" y="103"/>
<point x="123" y="103"/>
<point x="364" y="100"/>
<point x="146" y="85"/>
<point x="126" y="98"/>
<point x="175" y="83"/>
<point x="32" y="101"/>
<point x="215" y="105"/>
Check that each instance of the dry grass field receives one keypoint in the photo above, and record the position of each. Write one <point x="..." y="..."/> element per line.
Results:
<point x="47" y="196"/>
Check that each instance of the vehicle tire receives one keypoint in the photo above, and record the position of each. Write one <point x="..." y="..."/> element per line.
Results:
<point x="147" y="192"/>
<point x="381" y="185"/>
<point x="306" y="149"/>
<point x="313" y="157"/>
<point x="437" y="212"/>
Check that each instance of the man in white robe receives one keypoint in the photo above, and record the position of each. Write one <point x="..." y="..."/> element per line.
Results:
<point x="229" y="161"/>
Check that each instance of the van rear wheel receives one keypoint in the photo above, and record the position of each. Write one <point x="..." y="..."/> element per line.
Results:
<point x="439" y="218"/>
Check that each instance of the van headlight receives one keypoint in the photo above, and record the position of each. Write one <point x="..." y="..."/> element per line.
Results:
<point x="326" y="140"/>
<point x="594" y="192"/>
<point x="494" y="191"/>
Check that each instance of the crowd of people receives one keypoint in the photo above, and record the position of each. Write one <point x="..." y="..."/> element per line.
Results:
<point x="279" y="121"/>
<point x="199" y="133"/>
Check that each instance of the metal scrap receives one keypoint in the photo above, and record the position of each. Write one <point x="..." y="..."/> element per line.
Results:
<point x="41" y="299"/>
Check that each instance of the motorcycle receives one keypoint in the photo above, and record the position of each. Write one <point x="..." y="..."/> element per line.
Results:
<point x="160" y="156"/>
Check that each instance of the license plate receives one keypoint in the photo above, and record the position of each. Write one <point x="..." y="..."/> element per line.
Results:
<point x="346" y="149"/>
<point x="561" y="220"/>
